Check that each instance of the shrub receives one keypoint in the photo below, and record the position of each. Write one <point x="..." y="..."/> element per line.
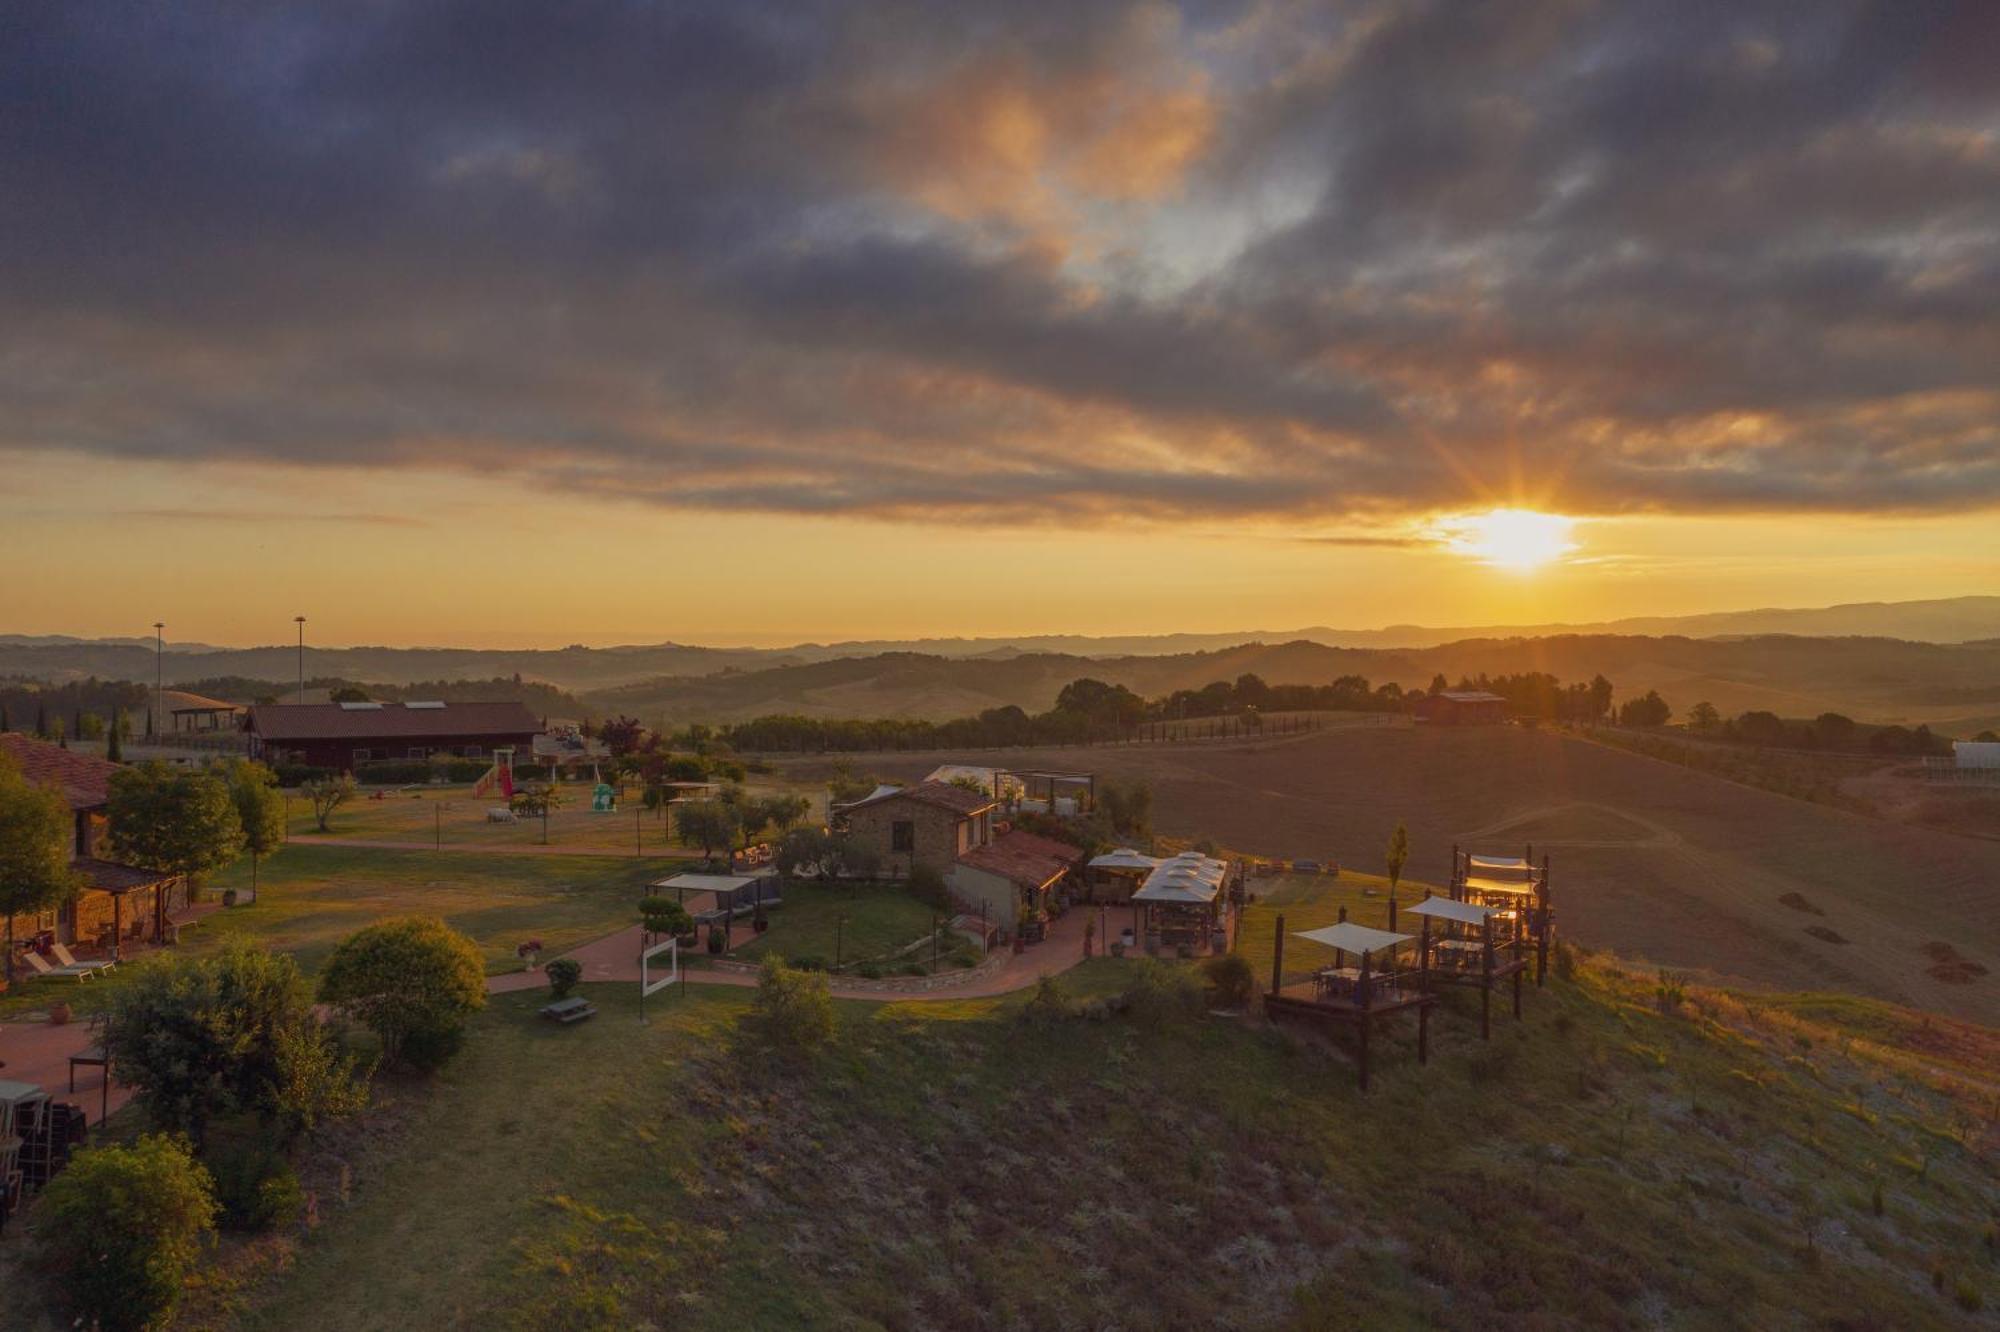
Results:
<point x="663" y="915"/>
<point x="120" y="1230"/>
<point x="914" y="969"/>
<point x="927" y="886"/>
<point x="1049" y="1005"/>
<point x="563" y="975"/>
<point x="199" y="1036"/>
<point x="1160" y="994"/>
<point x="718" y="939"/>
<point x="255" y="1187"/>
<point x="413" y="981"/>
<point x="793" y="1010"/>
<point x="1565" y="964"/>
<point x="809" y="962"/>
<point x="1232" y="979"/>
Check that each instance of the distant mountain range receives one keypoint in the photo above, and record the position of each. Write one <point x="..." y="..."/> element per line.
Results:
<point x="1932" y="661"/>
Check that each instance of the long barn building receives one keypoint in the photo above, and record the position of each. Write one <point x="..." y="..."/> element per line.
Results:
<point x="340" y="735"/>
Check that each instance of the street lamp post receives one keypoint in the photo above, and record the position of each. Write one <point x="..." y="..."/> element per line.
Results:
<point x="300" y="620"/>
<point x="159" y="674"/>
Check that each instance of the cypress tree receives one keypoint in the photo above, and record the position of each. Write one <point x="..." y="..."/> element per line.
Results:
<point x="6" y="722"/>
<point x="41" y="721"/>
<point x="114" y="749"/>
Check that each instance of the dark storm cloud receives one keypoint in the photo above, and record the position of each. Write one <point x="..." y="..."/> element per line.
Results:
<point x="1020" y="262"/>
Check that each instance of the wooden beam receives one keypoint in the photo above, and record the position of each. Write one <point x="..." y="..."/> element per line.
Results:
<point x="1486" y="981"/>
<point x="1278" y="955"/>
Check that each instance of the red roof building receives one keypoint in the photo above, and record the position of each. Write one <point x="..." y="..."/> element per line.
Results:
<point x="341" y="735"/>
<point x="1460" y="707"/>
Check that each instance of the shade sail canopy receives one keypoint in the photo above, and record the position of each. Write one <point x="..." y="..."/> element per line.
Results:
<point x="1443" y="908"/>
<point x="1353" y="938"/>
<point x="1125" y="858"/>
<point x="1516" y="863"/>
<point x="1188" y="877"/>
<point x="707" y="883"/>
<point x="1502" y="887"/>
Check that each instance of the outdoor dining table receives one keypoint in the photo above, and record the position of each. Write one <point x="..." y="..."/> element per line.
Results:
<point x="1337" y="980"/>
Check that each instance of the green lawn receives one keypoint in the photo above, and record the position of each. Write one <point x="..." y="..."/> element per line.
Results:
<point x="853" y="924"/>
<point x="311" y="897"/>
<point x="1602" y="1164"/>
<point x="452" y="816"/>
<point x="1308" y="901"/>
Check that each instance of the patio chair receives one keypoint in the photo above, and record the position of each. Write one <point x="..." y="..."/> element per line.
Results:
<point x="68" y="959"/>
<point x="43" y="967"/>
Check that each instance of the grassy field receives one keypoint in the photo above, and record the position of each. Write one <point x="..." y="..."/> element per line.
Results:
<point x="836" y="926"/>
<point x="453" y="816"/>
<point x="311" y="897"/>
<point x="1649" y="859"/>
<point x="1603" y="1163"/>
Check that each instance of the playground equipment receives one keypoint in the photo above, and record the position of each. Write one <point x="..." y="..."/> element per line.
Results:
<point x="499" y="777"/>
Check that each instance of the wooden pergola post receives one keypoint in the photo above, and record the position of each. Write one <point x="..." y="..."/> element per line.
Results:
<point x="1486" y="980"/>
<point x="117" y="926"/>
<point x="1278" y="954"/>
<point x="1424" y="987"/>
<point x="1451" y="888"/>
<point x="1546" y="921"/>
<point x="1361" y="997"/>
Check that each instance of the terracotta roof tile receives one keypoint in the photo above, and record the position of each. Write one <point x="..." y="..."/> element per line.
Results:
<point x="84" y="779"/>
<point x="1023" y="858"/>
<point x="941" y="794"/>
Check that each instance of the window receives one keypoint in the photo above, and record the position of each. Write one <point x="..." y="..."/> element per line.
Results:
<point x="363" y="755"/>
<point x="419" y="752"/>
<point x="473" y="751"/>
<point x="902" y="835"/>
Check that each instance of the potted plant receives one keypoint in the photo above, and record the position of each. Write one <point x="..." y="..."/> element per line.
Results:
<point x="59" y="1012"/>
<point x="757" y="921"/>
<point x="530" y="952"/>
<point x="564" y="973"/>
<point x="718" y="939"/>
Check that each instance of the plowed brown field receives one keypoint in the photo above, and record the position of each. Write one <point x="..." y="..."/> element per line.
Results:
<point x="1649" y="859"/>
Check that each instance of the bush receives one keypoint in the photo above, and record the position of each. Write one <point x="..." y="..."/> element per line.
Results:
<point x="1231" y="978"/>
<point x="869" y="971"/>
<point x="201" y="1036"/>
<point x="663" y="915"/>
<point x="413" y="981"/>
<point x="119" y="1231"/>
<point x="1160" y="994"/>
<point x="793" y="1010"/>
<point x="810" y="962"/>
<point x="1049" y="1005"/>
<point x="563" y="975"/>
<point x="927" y="886"/>
<point x="298" y="774"/>
<point x="255" y="1187"/>
<point x="718" y="939"/>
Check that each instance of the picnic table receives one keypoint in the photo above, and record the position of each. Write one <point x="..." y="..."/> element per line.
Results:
<point x="569" y="1010"/>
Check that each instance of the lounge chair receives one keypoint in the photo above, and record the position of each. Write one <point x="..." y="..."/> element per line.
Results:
<point x="43" y="967"/>
<point x="68" y="959"/>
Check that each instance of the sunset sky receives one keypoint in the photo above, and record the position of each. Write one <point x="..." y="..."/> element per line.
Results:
<point x="519" y="323"/>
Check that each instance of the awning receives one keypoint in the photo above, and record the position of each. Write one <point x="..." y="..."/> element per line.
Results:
<point x="1353" y="938"/>
<point x="1443" y="908"/>
<point x="1125" y="858"/>
<point x="1187" y="877"/>
<point x="1499" y="863"/>
<point x="1501" y="887"/>
<point x="707" y="883"/>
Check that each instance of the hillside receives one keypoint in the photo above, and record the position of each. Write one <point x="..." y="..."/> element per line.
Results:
<point x="1649" y="859"/>
<point x="1872" y="678"/>
<point x="1607" y="1162"/>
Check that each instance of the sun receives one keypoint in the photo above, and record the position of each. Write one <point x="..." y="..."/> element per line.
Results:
<point x="1520" y="540"/>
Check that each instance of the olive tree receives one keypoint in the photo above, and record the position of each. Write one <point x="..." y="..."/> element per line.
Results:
<point x="260" y="809"/>
<point x="35" y="873"/>
<point x="120" y="1230"/>
<point x="413" y="981"/>
<point x="173" y="820"/>
<point x="326" y="794"/>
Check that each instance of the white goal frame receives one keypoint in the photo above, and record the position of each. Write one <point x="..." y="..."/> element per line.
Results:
<point x="672" y="948"/>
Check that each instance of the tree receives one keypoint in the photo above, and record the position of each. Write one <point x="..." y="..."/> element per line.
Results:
<point x="1439" y="684"/>
<point x="1987" y="737"/>
<point x="114" y="747"/>
<point x="326" y="794"/>
<point x="1599" y="698"/>
<point x="1761" y="728"/>
<point x="173" y="820"/>
<point x="1833" y="730"/>
<point x="1398" y="856"/>
<point x="1703" y="716"/>
<point x="347" y="694"/>
<point x="120" y="1230"/>
<point x="812" y="849"/>
<point x="783" y="811"/>
<point x="204" y="1036"/>
<point x="793" y="1010"/>
<point x="663" y="915"/>
<point x="1650" y="710"/>
<point x="621" y="735"/>
<point x="35" y="874"/>
<point x="1128" y="806"/>
<point x="413" y="981"/>
<point x="260" y="810"/>
<point x="709" y="824"/>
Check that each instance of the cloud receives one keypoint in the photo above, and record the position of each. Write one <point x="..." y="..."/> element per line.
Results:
<point x="1101" y="263"/>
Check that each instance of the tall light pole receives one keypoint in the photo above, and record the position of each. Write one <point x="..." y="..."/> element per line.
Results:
<point x="159" y="674"/>
<point x="300" y="620"/>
